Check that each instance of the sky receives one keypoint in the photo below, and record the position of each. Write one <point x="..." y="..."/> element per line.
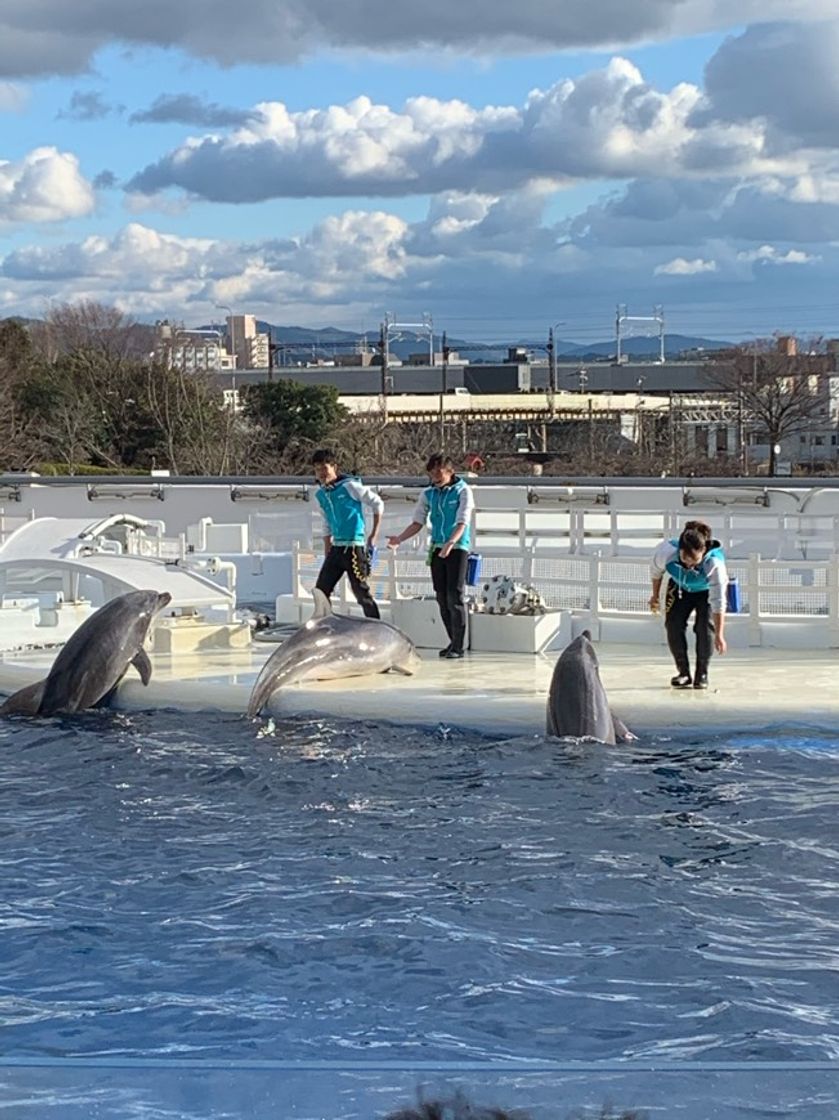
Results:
<point x="505" y="168"/>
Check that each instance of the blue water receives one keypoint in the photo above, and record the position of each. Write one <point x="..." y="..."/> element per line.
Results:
<point x="199" y="887"/>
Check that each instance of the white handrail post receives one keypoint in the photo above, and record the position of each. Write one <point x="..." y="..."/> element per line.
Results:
<point x="594" y="593"/>
<point x="832" y="578"/>
<point x="391" y="574"/>
<point x="576" y="530"/>
<point x="527" y="557"/>
<point x="754" y="598"/>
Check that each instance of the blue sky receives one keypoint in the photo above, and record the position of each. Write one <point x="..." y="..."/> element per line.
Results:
<point x="526" y="165"/>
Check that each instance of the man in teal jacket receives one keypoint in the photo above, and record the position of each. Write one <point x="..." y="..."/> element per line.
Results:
<point x="348" y="548"/>
<point x="447" y="506"/>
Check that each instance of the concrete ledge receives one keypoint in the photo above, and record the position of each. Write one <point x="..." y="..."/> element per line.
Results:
<point x="494" y="693"/>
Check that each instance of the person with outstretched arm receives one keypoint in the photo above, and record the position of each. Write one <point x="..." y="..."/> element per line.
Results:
<point x="447" y="506"/>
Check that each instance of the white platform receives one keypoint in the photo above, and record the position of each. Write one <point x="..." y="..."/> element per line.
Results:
<point x="750" y="690"/>
<point x="527" y="634"/>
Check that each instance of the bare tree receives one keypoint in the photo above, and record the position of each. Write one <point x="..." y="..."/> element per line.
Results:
<point x="778" y="394"/>
<point x="198" y="434"/>
<point x="92" y="328"/>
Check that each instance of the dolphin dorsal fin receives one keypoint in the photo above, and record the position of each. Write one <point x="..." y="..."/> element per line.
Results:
<point x="323" y="608"/>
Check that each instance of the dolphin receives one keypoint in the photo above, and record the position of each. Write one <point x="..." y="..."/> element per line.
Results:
<point x="577" y="703"/>
<point x="95" y="658"/>
<point x="330" y="646"/>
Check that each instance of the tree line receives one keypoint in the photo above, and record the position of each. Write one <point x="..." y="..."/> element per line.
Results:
<point x="81" y="392"/>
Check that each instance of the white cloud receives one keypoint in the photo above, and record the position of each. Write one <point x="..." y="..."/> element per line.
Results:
<point x="667" y="213"/>
<point x="768" y="254"/>
<point x="680" y="267"/>
<point x="45" y="186"/>
<point x="484" y="254"/>
<point x="608" y="123"/>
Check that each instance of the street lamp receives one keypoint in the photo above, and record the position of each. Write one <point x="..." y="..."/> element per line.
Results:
<point x="229" y="310"/>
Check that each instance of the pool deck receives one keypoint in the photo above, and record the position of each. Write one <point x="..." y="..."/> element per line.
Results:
<point x="503" y="694"/>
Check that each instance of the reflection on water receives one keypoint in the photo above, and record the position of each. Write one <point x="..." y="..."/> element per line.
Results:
<point x="201" y="887"/>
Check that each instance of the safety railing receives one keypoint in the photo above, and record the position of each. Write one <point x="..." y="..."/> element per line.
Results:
<point x="782" y="603"/>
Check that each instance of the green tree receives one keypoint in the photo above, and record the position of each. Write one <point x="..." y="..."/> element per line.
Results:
<point x="294" y="414"/>
<point x="16" y="353"/>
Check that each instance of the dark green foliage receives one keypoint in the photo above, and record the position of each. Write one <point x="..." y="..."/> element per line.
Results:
<point x="294" y="412"/>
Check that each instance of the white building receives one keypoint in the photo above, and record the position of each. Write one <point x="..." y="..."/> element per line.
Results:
<point x="191" y="350"/>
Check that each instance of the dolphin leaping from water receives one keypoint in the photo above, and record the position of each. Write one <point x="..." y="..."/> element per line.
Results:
<point x="577" y="703"/>
<point x="330" y="646"/>
<point x="95" y="658"/>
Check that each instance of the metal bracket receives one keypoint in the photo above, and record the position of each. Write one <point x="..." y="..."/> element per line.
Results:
<point x="133" y="494"/>
<point x="272" y="494"/>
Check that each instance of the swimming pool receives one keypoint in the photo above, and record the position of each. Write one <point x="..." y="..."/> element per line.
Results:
<point x="205" y="891"/>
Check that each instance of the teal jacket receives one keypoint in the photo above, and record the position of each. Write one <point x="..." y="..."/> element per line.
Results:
<point x="710" y="576"/>
<point x="342" y="505"/>
<point x="445" y="507"/>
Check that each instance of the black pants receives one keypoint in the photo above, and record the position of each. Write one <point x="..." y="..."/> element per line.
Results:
<point x="353" y="562"/>
<point x="679" y="607"/>
<point x="449" y="579"/>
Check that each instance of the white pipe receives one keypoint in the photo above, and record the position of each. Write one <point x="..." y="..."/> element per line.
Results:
<point x="217" y="566"/>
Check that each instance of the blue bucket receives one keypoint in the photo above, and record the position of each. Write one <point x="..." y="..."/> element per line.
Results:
<point x="732" y="596"/>
<point x="473" y="568"/>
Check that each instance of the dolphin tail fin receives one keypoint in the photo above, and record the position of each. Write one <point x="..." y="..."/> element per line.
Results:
<point x="142" y="664"/>
<point x="24" y="702"/>
<point x="323" y="607"/>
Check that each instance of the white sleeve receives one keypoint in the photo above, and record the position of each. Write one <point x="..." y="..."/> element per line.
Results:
<point x="465" y="506"/>
<point x="717" y="574"/>
<point x="420" y="514"/>
<point x="364" y="494"/>
<point x="663" y="554"/>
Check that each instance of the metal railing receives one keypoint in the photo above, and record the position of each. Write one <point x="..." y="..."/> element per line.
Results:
<point x="783" y="602"/>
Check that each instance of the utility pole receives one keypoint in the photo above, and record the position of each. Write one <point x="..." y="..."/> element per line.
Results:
<point x="385" y="373"/>
<point x="551" y="374"/>
<point x="444" y="388"/>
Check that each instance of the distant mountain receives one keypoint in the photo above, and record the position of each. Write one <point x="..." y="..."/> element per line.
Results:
<point x="675" y="345"/>
<point x="303" y="343"/>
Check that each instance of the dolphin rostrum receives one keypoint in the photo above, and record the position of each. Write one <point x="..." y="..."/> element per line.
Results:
<point x="577" y="703"/>
<point x="330" y="646"/>
<point x="95" y="658"/>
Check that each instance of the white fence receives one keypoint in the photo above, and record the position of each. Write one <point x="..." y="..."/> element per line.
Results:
<point x="579" y="519"/>
<point x="784" y="604"/>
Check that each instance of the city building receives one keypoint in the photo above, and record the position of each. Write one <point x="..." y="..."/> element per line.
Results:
<point x="250" y="346"/>
<point x="191" y="350"/>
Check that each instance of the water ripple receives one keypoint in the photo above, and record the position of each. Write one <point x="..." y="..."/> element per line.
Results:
<point x="171" y="885"/>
